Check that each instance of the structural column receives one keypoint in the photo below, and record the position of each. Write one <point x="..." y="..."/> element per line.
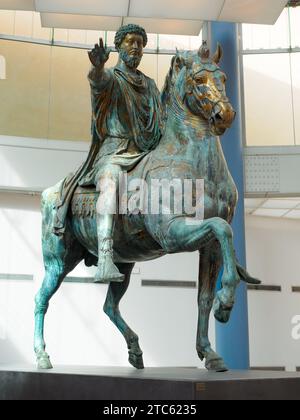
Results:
<point x="233" y="339"/>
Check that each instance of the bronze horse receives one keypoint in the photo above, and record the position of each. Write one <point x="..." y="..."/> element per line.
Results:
<point x="197" y="112"/>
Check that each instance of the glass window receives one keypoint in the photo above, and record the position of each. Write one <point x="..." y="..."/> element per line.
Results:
<point x="38" y="31"/>
<point x="171" y="42"/>
<point x="93" y="37"/>
<point x="24" y="99"/>
<point x="196" y="42"/>
<point x="268" y="100"/>
<point x="295" y="26"/>
<point x="2" y="67"/>
<point x="77" y="36"/>
<point x="149" y="66"/>
<point x="61" y="35"/>
<point x="267" y="36"/>
<point x="110" y="38"/>
<point x="295" y="63"/>
<point x="7" y="22"/>
<point x="24" y="24"/>
<point x="70" y="109"/>
<point x="152" y="41"/>
<point x="164" y="62"/>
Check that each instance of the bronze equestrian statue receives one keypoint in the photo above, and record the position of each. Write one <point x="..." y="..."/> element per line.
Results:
<point x="195" y="112"/>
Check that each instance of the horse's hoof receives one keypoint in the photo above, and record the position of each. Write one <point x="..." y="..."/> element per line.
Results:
<point x="136" y="360"/>
<point x="43" y="361"/>
<point x="222" y="312"/>
<point x="215" y="363"/>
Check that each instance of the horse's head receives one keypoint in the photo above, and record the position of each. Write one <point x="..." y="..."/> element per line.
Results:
<point x="200" y="83"/>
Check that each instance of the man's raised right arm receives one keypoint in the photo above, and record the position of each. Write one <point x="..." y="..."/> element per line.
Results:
<point x="97" y="76"/>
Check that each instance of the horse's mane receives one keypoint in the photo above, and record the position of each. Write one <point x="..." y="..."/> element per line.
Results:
<point x="185" y="57"/>
<point x="165" y="94"/>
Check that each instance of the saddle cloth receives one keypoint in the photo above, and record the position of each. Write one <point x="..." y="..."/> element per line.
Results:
<point x="84" y="202"/>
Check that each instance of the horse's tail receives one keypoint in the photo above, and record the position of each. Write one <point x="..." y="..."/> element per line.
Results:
<point x="245" y="276"/>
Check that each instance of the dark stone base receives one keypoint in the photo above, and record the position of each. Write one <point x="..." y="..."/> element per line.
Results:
<point x="95" y="383"/>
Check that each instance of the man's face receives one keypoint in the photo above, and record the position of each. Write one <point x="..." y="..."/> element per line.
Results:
<point x="131" y="50"/>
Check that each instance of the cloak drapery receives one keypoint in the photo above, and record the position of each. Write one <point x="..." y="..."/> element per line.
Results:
<point x="126" y="125"/>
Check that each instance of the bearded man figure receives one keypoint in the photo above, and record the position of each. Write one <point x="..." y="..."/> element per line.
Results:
<point x="126" y="126"/>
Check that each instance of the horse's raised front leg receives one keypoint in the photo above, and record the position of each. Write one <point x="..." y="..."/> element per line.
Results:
<point x="209" y="267"/>
<point x="182" y="236"/>
<point x="57" y="266"/>
<point x="111" y="307"/>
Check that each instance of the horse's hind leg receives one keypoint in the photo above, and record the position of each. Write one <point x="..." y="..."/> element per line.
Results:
<point x="111" y="307"/>
<point x="210" y="264"/>
<point x="57" y="266"/>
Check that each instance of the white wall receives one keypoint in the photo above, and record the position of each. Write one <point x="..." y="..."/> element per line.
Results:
<point x="35" y="164"/>
<point x="77" y="330"/>
<point x="273" y="255"/>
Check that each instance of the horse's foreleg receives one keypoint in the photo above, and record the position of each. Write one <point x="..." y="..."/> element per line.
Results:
<point x="210" y="263"/>
<point x="111" y="307"/>
<point x="183" y="236"/>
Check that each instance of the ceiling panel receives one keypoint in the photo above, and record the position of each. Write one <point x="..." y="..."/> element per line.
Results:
<point x="254" y="203"/>
<point x="17" y="4"/>
<point x="252" y="11"/>
<point x="293" y="214"/>
<point x="280" y="204"/>
<point x="84" y="7"/>
<point x="269" y="212"/>
<point x="170" y="9"/>
<point x="67" y="21"/>
<point x="167" y="26"/>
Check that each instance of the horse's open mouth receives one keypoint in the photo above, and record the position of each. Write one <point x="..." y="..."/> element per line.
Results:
<point x="218" y="125"/>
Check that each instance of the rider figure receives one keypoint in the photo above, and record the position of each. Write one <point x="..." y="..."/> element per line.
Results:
<point x="126" y="125"/>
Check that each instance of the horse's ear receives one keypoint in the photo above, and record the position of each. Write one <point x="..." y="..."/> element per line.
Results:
<point x="204" y="51"/>
<point x="178" y="63"/>
<point x="218" y="55"/>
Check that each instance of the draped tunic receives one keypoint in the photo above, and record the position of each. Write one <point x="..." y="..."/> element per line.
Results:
<point x="126" y="125"/>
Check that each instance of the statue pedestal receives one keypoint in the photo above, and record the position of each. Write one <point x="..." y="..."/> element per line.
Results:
<point x="105" y="383"/>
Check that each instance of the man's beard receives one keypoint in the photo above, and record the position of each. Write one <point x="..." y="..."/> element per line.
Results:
<point x="131" y="62"/>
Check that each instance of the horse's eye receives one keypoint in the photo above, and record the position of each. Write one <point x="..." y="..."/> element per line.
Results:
<point x="223" y="79"/>
<point x="200" y="80"/>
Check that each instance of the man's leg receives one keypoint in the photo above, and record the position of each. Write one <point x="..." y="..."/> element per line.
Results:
<point x="106" y="214"/>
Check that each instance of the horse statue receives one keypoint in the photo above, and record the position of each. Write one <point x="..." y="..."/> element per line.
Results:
<point x="197" y="112"/>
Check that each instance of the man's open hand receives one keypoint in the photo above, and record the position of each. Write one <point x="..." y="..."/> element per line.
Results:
<point x="99" y="54"/>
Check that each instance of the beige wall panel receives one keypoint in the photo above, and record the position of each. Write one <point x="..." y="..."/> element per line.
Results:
<point x="70" y="107"/>
<point x="24" y="94"/>
<point x="149" y="66"/>
<point x="38" y="31"/>
<point x="164" y="63"/>
<point x="24" y="24"/>
<point x="268" y="100"/>
<point x="77" y="36"/>
<point x="7" y="19"/>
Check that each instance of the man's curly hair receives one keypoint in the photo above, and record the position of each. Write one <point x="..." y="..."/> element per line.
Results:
<point x="129" y="29"/>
